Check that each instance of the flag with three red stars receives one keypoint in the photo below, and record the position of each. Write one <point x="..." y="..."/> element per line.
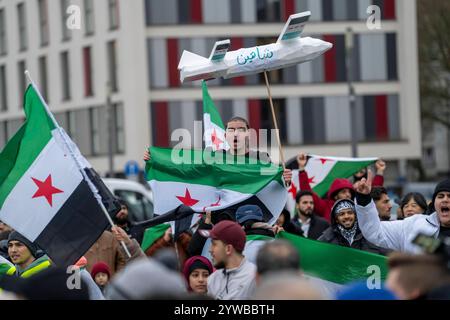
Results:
<point x="44" y="191"/>
<point x="214" y="135"/>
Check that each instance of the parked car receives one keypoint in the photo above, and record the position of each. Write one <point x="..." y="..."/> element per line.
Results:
<point x="137" y="196"/>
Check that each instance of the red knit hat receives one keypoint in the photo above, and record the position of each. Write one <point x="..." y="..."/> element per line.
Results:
<point x="100" y="267"/>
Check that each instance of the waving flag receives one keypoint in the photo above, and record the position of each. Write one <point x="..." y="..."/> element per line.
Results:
<point x="214" y="135"/>
<point x="203" y="184"/>
<point x="322" y="170"/>
<point x="336" y="265"/>
<point x="44" y="193"/>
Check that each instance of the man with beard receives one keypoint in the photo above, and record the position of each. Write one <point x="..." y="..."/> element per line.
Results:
<point x="312" y="225"/>
<point x="344" y="229"/>
<point x="382" y="202"/>
<point x="121" y="220"/>
<point x="234" y="278"/>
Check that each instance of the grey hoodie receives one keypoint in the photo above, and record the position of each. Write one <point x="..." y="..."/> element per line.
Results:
<point x="233" y="284"/>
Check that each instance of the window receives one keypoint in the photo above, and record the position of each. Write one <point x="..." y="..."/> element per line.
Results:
<point x="22" y="85"/>
<point x="43" y="83"/>
<point x="66" y="33"/>
<point x="2" y="32"/>
<point x="89" y="16"/>
<point x="21" y="18"/>
<point x="87" y="63"/>
<point x="112" y="65"/>
<point x="119" y="128"/>
<point x="79" y="129"/>
<point x="43" y="22"/>
<point x="113" y="9"/>
<point x="12" y="126"/>
<point x="95" y="134"/>
<point x="3" y="89"/>
<point x="268" y="10"/>
<point x="65" y="75"/>
<point x="3" y="134"/>
<point x="99" y="129"/>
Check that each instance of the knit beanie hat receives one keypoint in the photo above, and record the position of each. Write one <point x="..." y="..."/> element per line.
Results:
<point x="16" y="236"/>
<point x="442" y="186"/>
<point x="100" y="267"/>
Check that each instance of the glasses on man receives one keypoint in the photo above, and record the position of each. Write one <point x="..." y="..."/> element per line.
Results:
<point x="240" y="129"/>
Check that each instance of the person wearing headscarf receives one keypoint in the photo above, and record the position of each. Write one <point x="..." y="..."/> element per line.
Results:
<point x="196" y="271"/>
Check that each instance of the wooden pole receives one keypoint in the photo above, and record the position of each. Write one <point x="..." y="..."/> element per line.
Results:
<point x="274" y="117"/>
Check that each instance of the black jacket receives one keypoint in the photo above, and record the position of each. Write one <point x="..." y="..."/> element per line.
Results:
<point x="332" y="235"/>
<point x="197" y="242"/>
<point x="317" y="226"/>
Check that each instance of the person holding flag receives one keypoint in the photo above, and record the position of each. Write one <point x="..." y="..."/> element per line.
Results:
<point x="48" y="190"/>
<point x="176" y="178"/>
<point x="340" y="188"/>
<point x="234" y="139"/>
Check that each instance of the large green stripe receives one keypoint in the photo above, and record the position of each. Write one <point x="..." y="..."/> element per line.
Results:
<point x="342" y="169"/>
<point x="243" y="178"/>
<point x="209" y="107"/>
<point x="335" y="263"/>
<point x="26" y="145"/>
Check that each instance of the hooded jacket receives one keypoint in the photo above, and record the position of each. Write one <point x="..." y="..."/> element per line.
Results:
<point x="323" y="206"/>
<point x="334" y="236"/>
<point x="233" y="284"/>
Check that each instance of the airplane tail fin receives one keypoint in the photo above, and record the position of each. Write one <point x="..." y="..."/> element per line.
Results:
<point x="294" y="26"/>
<point x="189" y="59"/>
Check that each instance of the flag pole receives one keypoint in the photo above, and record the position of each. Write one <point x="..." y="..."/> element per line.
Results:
<point x="274" y="117"/>
<point x="72" y="153"/>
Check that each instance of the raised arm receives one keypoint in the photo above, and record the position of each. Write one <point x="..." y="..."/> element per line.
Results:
<point x="378" y="180"/>
<point x="387" y="234"/>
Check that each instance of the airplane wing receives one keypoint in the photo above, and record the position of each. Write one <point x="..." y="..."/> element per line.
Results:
<point x="220" y="50"/>
<point x="294" y="26"/>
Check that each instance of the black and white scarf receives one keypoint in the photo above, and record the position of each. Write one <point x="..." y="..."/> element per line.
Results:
<point x="348" y="234"/>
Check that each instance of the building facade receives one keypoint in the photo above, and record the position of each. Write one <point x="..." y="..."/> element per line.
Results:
<point x="136" y="45"/>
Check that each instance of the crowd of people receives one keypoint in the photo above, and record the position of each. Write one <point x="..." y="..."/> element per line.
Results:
<point x="235" y="254"/>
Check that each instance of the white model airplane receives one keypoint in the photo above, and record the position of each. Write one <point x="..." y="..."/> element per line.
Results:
<point x="290" y="49"/>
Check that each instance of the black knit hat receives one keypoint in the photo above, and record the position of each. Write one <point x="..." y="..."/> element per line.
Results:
<point x="16" y="236"/>
<point x="442" y="186"/>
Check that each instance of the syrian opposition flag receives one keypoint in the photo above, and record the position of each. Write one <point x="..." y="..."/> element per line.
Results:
<point x="332" y="266"/>
<point x="190" y="178"/>
<point x="214" y="135"/>
<point x="44" y="191"/>
<point x="323" y="170"/>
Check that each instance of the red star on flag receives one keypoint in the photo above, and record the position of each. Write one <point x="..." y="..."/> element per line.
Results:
<point x="187" y="200"/>
<point x="323" y="160"/>
<point x="46" y="189"/>
<point x="215" y="140"/>
<point x="293" y="190"/>
<point x="311" y="180"/>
